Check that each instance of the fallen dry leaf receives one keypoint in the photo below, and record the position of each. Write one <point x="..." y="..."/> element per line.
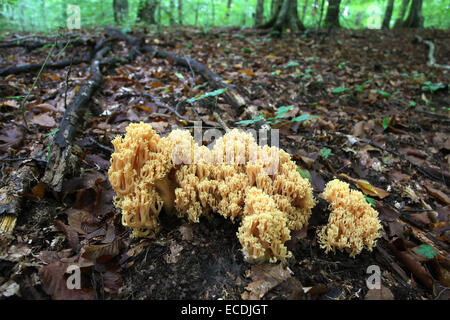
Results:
<point x="44" y="120"/>
<point x="379" y="294"/>
<point x="264" y="278"/>
<point x="54" y="284"/>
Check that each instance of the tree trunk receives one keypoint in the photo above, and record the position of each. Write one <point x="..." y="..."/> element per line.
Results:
<point x="285" y="17"/>
<point x="322" y="5"/>
<point x="172" y="9"/>
<point x="332" y="17"/>
<point x="415" y="17"/>
<point x="399" y="21"/>
<point x="146" y="11"/>
<point x="244" y="14"/>
<point x="358" y="18"/>
<point x="288" y="18"/>
<point x="120" y="11"/>
<point x="259" y="16"/>
<point x="227" y="15"/>
<point x="180" y="12"/>
<point x="43" y="15"/>
<point x="305" y="5"/>
<point x="388" y="15"/>
<point x="213" y="12"/>
<point x="197" y="6"/>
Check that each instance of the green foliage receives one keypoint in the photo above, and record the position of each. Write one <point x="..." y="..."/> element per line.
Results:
<point x="428" y="86"/>
<point x="304" y="173"/>
<point x="208" y="94"/>
<point x="48" y="15"/>
<point x="386" y="122"/>
<point x="427" y="251"/>
<point x="303" y="117"/>
<point x="251" y="121"/>
<point x="370" y="200"/>
<point x="325" y="152"/>
<point x="339" y="90"/>
<point x="384" y="94"/>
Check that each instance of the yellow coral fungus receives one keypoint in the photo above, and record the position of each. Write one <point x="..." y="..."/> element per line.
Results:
<point x="238" y="179"/>
<point x="352" y="225"/>
<point x="263" y="230"/>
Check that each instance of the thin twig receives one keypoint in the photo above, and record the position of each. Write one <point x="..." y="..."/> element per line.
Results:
<point x="220" y="121"/>
<point x="22" y="106"/>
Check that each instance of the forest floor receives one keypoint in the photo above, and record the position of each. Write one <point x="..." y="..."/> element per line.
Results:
<point x="378" y="119"/>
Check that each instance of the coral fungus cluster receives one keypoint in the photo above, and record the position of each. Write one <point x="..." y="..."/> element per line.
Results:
<point x="258" y="186"/>
<point x="352" y="225"/>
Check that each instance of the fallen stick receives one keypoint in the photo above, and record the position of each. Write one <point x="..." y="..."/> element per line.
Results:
<point x="62" y="158"/>
<point x="231" y="96"/>
<point x="63" y="155"/>
<point x="431" y="60"/>
<point x="49" y="65"/>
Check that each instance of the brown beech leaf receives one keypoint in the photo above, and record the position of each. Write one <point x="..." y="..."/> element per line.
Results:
<point x="44" y="120"/>
<point x="54" y="283"/>
<point x="264" y="278"/>
<point x="438" y="194"/>
<point x="82" y="221"/>
<point x="11" y="138"/>
<point x="101" y="253"/>
<point x="379" y="294"/>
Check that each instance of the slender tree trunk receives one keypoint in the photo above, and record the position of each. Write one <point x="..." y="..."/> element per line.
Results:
<point x="146" y="11"/>
<point x="244" y="14"/>
<point x="120" y="11"/>
<point x="180" y="12"/>
<point x="171" y="12"/>
<point x="22" y="17"/>
<point x="197" y="6"/>
<point x="227" y="15"/>
<point x="358" y="18"/>
<point x="415" y="17"/>
<point x="213" y="12"/>
<point x="259" y="16"/>
<point x="388" y="15"/>
<point x="43" y="15"/>
<point x="158" y="12"/>
<point x="322" y="5"/>
<point x="305" y="5"/>
<point x="399" y="21"/>
<point x="332" y="17"/>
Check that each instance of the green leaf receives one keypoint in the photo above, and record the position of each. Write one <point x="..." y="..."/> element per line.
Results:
<point x="256" y="119"/>
<point x="363" y="85"/>
<point x="370" y="200"/>
<point x="384" y="94"/>
<point x="291" y="64"/>
<point x="179" y="75"/>
<point x="276" y="72"/>
<point x="427" y="251"/>
<point x="281" y="111"/>
<point x="304" y="173"/>
<point x="386" y="122"/>
<point x="303" y="117"/>
<point x="208" y="94"/>
<point x="325" y="152"/>
<point x="412" y="103"/>
<point x="339" y="90"/>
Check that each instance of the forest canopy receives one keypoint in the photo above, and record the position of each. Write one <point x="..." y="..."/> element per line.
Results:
<point x="48" y="15"/>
